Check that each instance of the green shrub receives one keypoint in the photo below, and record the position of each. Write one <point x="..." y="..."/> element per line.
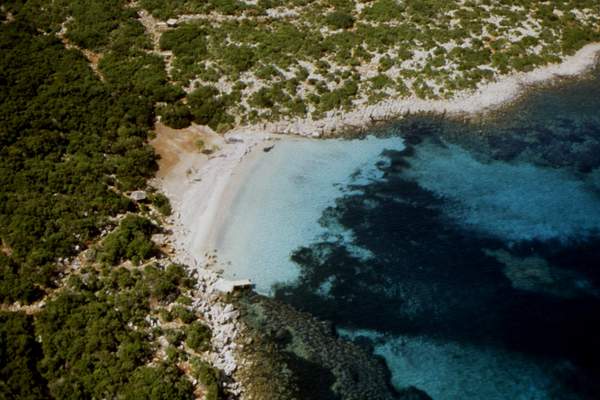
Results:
<point x="267" y="72"/>
<point x="19" y="356"/>
<point x="163" y="382"/>
<point x="162" y="203"/>
<point x="165" y="315"/>
<point x="385" y="63"/>
<point x="163" y="285"/>
<point x="130" y="35"/>
<point x="301" y="74"/>
<point x="184" y="314"/>
<point x="341" y="96"/>
<point x="228" y="7"/>
<point x="198" y="336"/>
<point x="165" y="9"/>
<point x="384" y="10"/>
<point x="90" y="135"/>
<point x="139" y="74"/>
<point x="130" y="241"/>
<point x="575" y="36"/>
<point x="177" y="116"/>
<point x="239" y="58"/>
<point x="20" y="282"/>
<point x="380" y="82"/>
<point x="88" y="348"/>
<point x="209" y="377"/>
<point x="185" y="300"/>
<point x="93" y="21"/>
<point x="339" y="20"/>
<point x="262" y="98"/>
<point x="174" y="336"/>
<point x="208" y="108"/>
<point x="187" y="40"/>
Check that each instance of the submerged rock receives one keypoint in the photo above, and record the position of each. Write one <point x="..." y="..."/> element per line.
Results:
<point x="296" y="356"/>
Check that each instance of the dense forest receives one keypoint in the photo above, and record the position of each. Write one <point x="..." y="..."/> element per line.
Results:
<point x="73" y="144"/>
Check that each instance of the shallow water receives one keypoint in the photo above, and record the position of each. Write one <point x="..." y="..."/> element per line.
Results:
<point x="465" y="254"/>
<point x="285" y="195"/>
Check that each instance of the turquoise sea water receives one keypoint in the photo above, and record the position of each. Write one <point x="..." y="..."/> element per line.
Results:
<point x="467" y="255"/>
<point x="279" y="206"/>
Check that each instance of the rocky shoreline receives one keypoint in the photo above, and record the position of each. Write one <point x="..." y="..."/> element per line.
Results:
<point x="488" y="97"/>
<point x="322" y="365"/>
<point x="267" y="349"/>
<point x="223" y="320"/>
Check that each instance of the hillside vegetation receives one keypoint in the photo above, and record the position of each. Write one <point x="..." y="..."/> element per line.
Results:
<point x="90" y="307"/>
<point x="228" y="62"/>
<point x="269" y="59"/>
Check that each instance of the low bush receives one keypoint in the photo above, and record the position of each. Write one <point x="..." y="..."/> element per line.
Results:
<point x="184" y="314"/>
<point x="209" y="377"/>
<point x="177" y="116"/>
<point x="130" y="241"/>
<point x="162" y="203"/>
<point x="208" y="108"/>
<point x="198" y="336"/>
<point x="339" y="20"/>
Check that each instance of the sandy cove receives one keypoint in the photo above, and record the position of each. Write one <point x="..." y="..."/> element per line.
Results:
<point x="201" y="187"/>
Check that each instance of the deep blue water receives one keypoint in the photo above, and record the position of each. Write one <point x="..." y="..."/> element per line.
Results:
<point x="479" y="275"/>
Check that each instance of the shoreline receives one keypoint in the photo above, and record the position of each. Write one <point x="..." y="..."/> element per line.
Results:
<point x="201" y="188"/>
<point x="487" y="98"/>
<point x="230" y="193"/>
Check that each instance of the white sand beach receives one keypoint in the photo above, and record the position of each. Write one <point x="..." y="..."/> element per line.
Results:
<point x="200" y="186"/>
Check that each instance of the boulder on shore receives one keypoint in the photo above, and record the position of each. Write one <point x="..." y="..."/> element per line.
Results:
<point x="138" y="195"/>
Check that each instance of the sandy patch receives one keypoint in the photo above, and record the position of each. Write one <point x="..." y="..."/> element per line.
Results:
<point x="201" y="187"/>
<point x="180" y="150"/>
